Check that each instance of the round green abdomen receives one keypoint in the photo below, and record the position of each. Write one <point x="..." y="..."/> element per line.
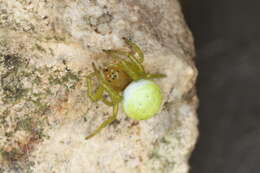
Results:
<point x="142" y="99"/>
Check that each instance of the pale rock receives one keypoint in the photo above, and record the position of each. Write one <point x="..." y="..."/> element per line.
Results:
<point x="46" y="51"/>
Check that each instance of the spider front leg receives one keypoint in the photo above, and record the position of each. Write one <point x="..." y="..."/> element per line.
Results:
<point x="98" y="94"/>
<point x="137" y="57"/>
<point x="134" y="62"/>
<point x="115" y="98"/>
<point x="135" y="50"/>
<point x="115" y="102"/>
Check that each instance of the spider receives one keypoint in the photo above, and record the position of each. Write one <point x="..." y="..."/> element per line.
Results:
<point x="127" y="81"/>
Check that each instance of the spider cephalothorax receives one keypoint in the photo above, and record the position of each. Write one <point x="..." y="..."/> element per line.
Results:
<point x="126" y="80"/>
<point x="117" y="77"/>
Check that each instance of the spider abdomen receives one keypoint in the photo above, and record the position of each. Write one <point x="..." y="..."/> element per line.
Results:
<point x="142" y="99"/>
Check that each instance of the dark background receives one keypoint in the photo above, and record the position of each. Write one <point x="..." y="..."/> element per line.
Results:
<point x="227" y="38"/>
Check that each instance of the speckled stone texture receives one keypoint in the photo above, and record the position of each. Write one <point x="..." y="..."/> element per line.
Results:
<point x="46" y="51"/>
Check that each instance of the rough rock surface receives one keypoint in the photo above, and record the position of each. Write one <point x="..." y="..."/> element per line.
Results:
<point x="46" y="50"/>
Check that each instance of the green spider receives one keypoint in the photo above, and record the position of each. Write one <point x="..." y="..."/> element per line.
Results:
<point x="126" y="81"/>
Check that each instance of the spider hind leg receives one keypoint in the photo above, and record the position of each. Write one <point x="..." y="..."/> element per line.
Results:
<point x="105" y="123"/>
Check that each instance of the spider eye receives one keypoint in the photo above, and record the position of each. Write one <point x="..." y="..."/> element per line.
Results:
<point x="114" y="75"/>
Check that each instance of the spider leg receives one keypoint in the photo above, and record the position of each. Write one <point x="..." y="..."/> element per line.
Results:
<point x="135" y="62"/>
<point x="98" y="94"/>
<point x="136" y="49"/>
<point x="154" y="76"/>
<point x="107" y="102"/>
<point x="115" y="98"/>
<point x="132" y="72"/>
<point x="130" y="68"/>
<point x="135" y="75"/>
<point x="105" y="123"/>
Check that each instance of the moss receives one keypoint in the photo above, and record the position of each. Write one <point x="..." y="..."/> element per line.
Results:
<point x="51" y="52"/>
<point x="12" y="61"/>
<point x="11" y="78"/>
<point x="41" y="107"/>
<point x="38" y="47"/>
<point x="37" y="80"/>
<point x="3" y="43"/>
<point x="154" y="155"/>
<point x="59" y="38"/>
<point x="14" y="72"/>
<point x="68" y="79"/>
<point x="29" y="167"/>
<point x="24" y="84"/>
<point x="12" y="155"/>
<point x="47" y="91"/>
<point x="70" y="76"/>
<point x="12" y="87"/>
<point x="25" y="124"/>
<point x="165" y="140"/>
<point x="4" y="114"/>
<point x="12" y="90"/>
<point x="86" y="19"/>
<point x="54" y="80"/>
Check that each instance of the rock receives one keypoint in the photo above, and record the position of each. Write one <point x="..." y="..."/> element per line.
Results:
<point x="46" y="50"/>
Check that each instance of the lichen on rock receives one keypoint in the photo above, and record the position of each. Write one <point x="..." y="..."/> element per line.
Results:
<point x="46" y="51"/>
